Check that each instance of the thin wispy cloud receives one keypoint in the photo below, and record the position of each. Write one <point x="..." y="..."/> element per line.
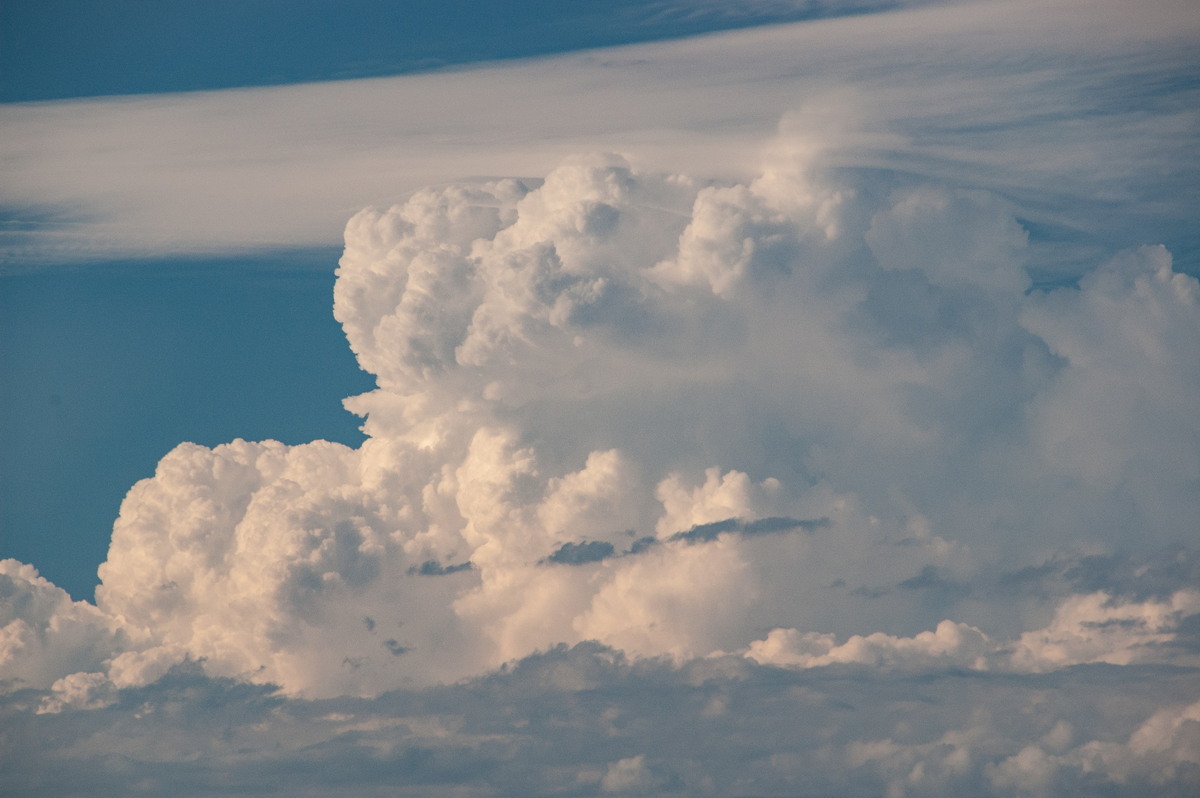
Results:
<point x="970" y="92"/>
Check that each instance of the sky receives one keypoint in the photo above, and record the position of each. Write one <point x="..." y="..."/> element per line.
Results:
<point x="679" y="398"/>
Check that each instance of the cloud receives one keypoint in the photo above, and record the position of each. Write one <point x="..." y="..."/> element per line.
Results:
<point x="44" y="635"/>
<point x="580" y="553"/>
<point x="1097" y="628"/>
<point x="1077" y="420"/>
<point x="433" y="568"/>
<point x="1082" y="112"/>
<point x="1086" y="629"/>
<point x="808" y="462"/>
<point x="763" y="526"/>
<point x="628" y="775"/>
<point x="956" y="238"/>
<point x="699" y="396"/>
<point x="1162" y="754"/>
<point x="949" y="645"/>
<point x="585" y="720"/>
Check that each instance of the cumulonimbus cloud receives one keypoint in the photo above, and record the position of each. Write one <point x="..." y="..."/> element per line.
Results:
<point x="827" y="465"/>
<point x="704" y="400"/>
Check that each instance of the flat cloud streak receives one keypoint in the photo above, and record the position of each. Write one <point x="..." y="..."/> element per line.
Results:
<point x="789" y="451"/>
<point x="1053" y="109"/>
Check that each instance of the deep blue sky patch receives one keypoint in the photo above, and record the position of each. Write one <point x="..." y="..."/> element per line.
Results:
<point x="53" y="49"/>
<point x="107" y="368"/>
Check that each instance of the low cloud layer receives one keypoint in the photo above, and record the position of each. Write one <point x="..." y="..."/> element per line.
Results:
<point x="586" y="721"/>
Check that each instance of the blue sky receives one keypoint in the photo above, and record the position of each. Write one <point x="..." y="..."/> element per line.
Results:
<point x="462" y="400"/>
<point x="81" y="48"/>
<point x="110" y="367"/>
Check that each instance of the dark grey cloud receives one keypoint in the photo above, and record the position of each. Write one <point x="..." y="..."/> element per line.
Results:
<point x="594" y="551"/>
<point x="585" y="720"/>
<point x="931" y="579"/>
<point x="394" y="647"/>
<point x="703" y="533"/>
<point x="581" y="553"/>
<point x="1137" y="575"/>
<point x="434" y="568"/>
<point x="1127" y="575"/>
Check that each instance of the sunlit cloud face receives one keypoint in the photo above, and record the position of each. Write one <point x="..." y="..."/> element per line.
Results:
<point x="792" y="444"/>
<point x="670" y="417"/>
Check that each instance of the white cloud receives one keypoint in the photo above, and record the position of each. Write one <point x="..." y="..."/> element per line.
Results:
<point x="1121" y="418"/>
<point x="1163" y="754"/>
<point x="1098" y="628"/>
<point x="276" y="167"/>
<point x="670" y="416"/>
<point x="949" y="645"/>
<point x="954" y="238"/>
<point x="1086" y="628"/>
<point x="628" y="775"/>
<point x="628" y="419"/>
<point x="44" y="635"/>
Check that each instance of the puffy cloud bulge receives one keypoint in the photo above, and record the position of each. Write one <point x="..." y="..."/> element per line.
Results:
<point x="790" y="419"/>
